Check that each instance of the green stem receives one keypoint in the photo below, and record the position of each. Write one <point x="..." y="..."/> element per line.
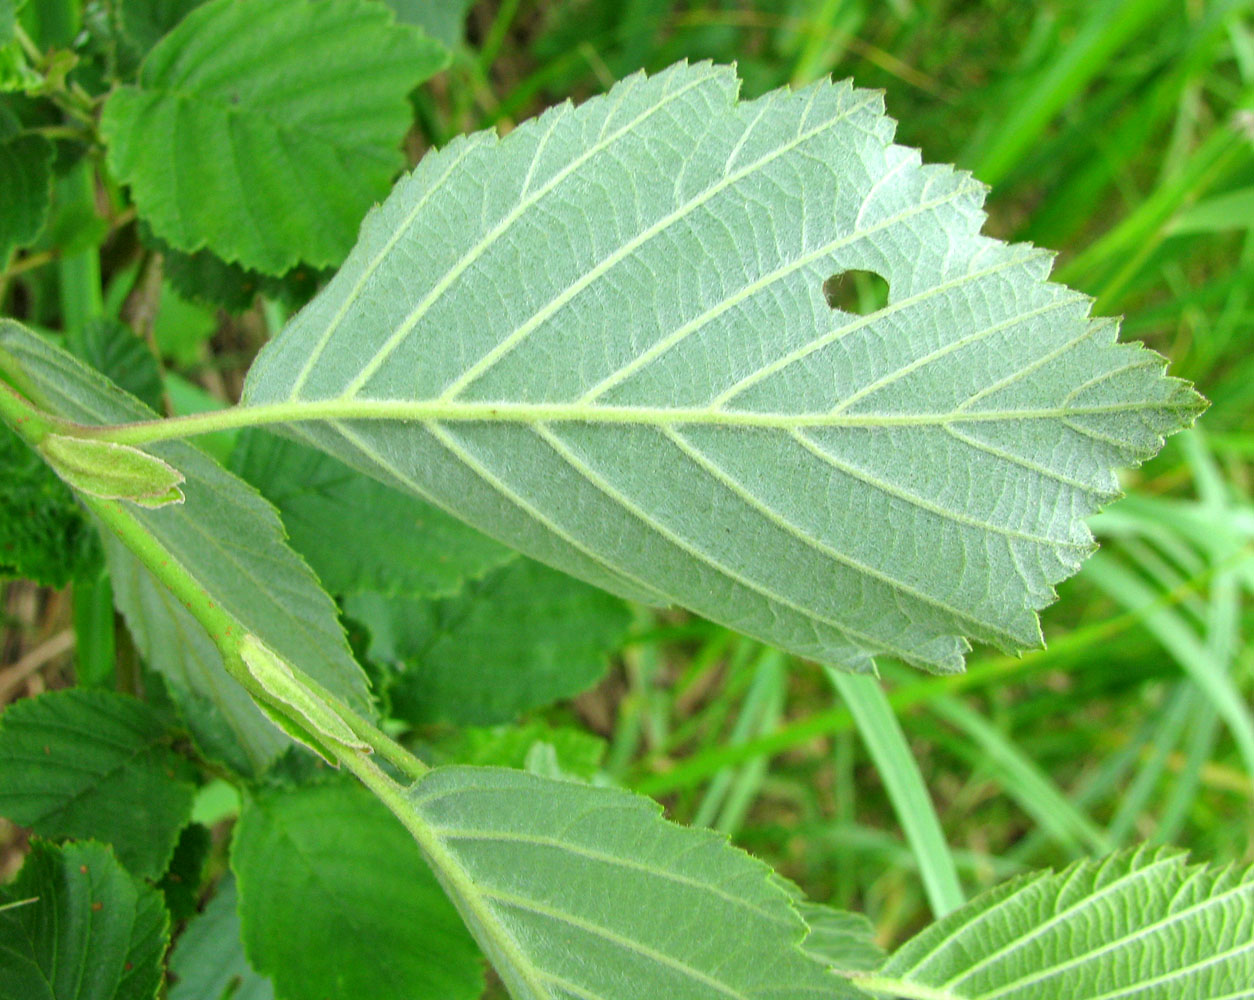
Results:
<point x="456" y="410"/>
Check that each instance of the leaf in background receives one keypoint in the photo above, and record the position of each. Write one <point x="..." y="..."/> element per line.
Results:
<point x="268" y="150"/>
<point x="1139" y="923"/>
<point x="337" y="904"/>
<point x="579" y="752"/>
<point x="95" y="932"/>
<point x="522" y="637"/>
<point x="145" y="22"/>
<point x="208" y="960"/>
<point x="443" y="20"/>
<point x="26" y="180"/>
<point x="604" y="339"/>
<point x="574" y="891"/>
<point x="43" y="536"/>
<point x="116" y="352"/>
<point x="382" y="541"/>
<point x="228" y="538"/>
<point x="839" y="939"/>
<point x="95" y="765"/>
<point x="180" y="884"/>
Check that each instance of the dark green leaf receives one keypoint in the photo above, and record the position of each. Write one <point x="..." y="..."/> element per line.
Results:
<point x="181" y="882"/>
<point x="114" y="350"/>
<point x="264" y="131"/>
<point x="208" y="961"/>
<point x="383" y="540"/>
<point x="95" y="765"/>
<point x="43" y="536"/>
<point x="522" y="637"/>
<point x="337" y="904"/>
<point x="26" y="180"/>
<point x="145" y="22"/>
<point x="94" y="932"/>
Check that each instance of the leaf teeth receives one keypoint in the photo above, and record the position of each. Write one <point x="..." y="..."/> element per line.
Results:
<point x="619" y="357"/>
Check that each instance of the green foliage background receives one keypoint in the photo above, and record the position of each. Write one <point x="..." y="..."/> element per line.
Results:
<point x="1116" y="132"/>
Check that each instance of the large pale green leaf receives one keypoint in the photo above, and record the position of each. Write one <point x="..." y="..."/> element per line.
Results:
<point x="264" y="131"/>
<point x="225" y="535"/>
<point x="98" y="765"/>
<point x="89" y="931"/>
<point x="1140" y="925"/>
<point x="605" y="340"/>
<point x="576" y="892"/>
<point x="522" y="637"/>
<point x="336" y="903"/>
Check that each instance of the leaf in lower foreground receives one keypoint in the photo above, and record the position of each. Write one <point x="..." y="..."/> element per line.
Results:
<point x="576" y="892"/>
<point x="605" y="340"/>
<point x="93" y="764"/>
<point x="1140" y="924"/>
<point x="336" y="903"/>
<point x="268" y="150"/>
<point x="94" y="931"/>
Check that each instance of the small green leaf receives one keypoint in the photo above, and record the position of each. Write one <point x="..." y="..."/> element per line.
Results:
<point x="208" y="960"/>
<point x="522" y="637"/>
<point x="280" y="682"/>
<point x="404" y="547"/>
<point x="839" y="939"/>
<point x="180" y="884"/>
<point x="1140" y="924"/>
<point x="26" y="180"/>
<point x="113" y="471"/>
<point x="337" y="904"/>
<point x="145" y="22"/>
<point x="95" y="932"/>
<point x="575" y="891"/>
<point x="95" y="765"/>
<point x="270" y="149"/>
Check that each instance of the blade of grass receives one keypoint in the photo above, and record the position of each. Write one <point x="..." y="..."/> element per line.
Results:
<point x="886" y="743"/>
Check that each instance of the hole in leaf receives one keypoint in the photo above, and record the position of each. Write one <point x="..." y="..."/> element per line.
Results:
<point x="856" y="291"/>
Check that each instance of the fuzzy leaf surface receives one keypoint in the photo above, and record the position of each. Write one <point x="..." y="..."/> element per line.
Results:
<point x="264" y="131"/>
<point x="225" y="535"/>
<point x="94" y="932"/>
<point x="336" y="903"/>
<point x="95" y="765"/>
<point x="1141" y="924"/>
<point x="604" y="339"/>
<point x="576" y="892"/>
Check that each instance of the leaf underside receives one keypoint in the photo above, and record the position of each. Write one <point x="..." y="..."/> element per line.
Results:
<point x="580" y="893"/>
<point x="1142" y="924"/>
<point x="605" y="341"/>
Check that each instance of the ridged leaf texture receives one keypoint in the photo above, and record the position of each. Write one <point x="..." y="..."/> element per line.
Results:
<point x="605" y="340"/>
<point x="1141" y="925"/>
<point x="582" y="893"/>
<point x="264" y="130"/>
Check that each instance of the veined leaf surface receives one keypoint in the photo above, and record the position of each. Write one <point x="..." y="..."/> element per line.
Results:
<point x="580" y="893"/>
<point x="605" y="340"/>
<point x="1140" y="924"/>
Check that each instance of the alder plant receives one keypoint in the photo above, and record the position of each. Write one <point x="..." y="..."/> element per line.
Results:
<point x="611" y="341"/>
